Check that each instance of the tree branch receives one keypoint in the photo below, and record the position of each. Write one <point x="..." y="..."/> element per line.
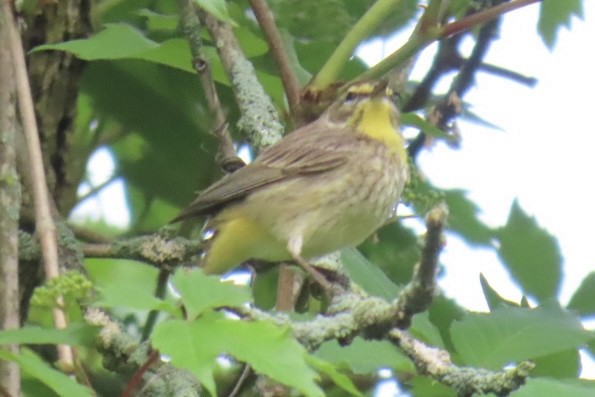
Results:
<point x="450" y="106"/>
<point x="160" y="250"/>
<point x="45" y="228"/>
<point x="354" y="313"/>
<point x="417" y="296"/>
<point x="349" y="314"/>
<point x="10" y="202"/>
<point x="227" y="157"/>
<point x="265" y="19"/>
<point x="424" y="37"/>
<point x="465" y="381"/>
<point x="121" y="351"/>
<point x="259" y="119"/>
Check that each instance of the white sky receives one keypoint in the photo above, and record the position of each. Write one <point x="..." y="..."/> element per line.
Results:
<point x="543" y="156"/>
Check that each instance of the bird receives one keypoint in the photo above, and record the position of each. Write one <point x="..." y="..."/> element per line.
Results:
<point x="327" y="185"/>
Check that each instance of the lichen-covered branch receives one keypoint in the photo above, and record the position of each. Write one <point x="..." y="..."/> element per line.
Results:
<point x="259" y="119"/>
<point x="466" y="381"/>
<point x="10" y="201"/>
<point x="417" y="296"/>
<point x="160" y="250"/>
<point x="121" y="353"/>
<point x="354" y="313"/>
<point x="227" y="157"/>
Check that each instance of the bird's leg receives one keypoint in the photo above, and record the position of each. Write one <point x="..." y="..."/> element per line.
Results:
<point x="294" y="246"/>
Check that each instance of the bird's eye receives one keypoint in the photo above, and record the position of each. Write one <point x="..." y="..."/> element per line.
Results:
<point x="350" y="97"/>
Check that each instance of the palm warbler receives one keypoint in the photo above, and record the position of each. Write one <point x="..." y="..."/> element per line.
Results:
<point x="325" y="186"/>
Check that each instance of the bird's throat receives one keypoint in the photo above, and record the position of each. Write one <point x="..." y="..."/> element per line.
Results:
<point x="377" y="121"/>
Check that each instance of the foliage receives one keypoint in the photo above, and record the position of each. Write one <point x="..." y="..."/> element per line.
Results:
<point x="139" y="98"/>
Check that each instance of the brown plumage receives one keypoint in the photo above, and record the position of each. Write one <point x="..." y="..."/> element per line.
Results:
<point x="325" y="186"/>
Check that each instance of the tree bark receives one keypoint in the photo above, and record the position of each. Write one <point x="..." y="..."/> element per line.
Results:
<point x="10" y="198"/>
<point x="54" y="78"/>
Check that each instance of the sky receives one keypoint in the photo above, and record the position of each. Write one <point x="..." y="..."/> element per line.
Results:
<point x="541" y="156"/>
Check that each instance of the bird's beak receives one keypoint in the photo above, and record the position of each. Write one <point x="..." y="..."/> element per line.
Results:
<point x="380" y="89"/>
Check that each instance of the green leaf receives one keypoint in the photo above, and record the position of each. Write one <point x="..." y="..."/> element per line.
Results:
<point x="425" y="387"/>
<point x="264" y="288"/>
<point x="196" y="345"/>
<point x="189" y="346"/>
<point x="414" y="120"/>
<point x="514" y="334"/>
<point x="553" y="14"/>
<point x="423" y="329"/>
<point x="303" y="76"/>
<point x="337" y="377"/>
<point x="309" y="21"/>
<point x="442" y="314"/>
<point x="61" y="383"/>
<point x="463" y="218"/>
<point x="115" y="41"/>
<point x="365" y="356"/>
<point x="133" y="296"/>
<point x="252" y="45"/>
<point x="544" y="387"/>
<point x="493" y="299"/>
<point x="531" y="254"/>
<point x="174" y="53"/>
<point x="583" y="299"/>
<point x="165" y="126"/>
<point x="105" y="271"/>
<point x="561" y="365"/>
<point x="75" y="335"/>
<point x="218" y="9"/>
<point x="395" y="250"/>
<point x="200" y="292"/>
<point x="128" y="284"/>
<point x="156" y="21"/>
<point x="367" y="275"/>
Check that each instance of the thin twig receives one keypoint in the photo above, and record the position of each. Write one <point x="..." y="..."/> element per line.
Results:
<point x="96" y="189"/>
<point x="10" y="197"/>
<point x="450" y="106"/>
<point x="89" y="236"/>
<point x="483" y="16"/>
<point x="237" y="388"/>
<point x="227" y="156"/>
<point x="259" y="119"/>
<point x="418" y="42"/>
<point x="45" y="228"/>
<point x="160" y="290"/>
<point x="266" y="20"/>
<point x="508" y="74"/>
<point x="137" y="378"/>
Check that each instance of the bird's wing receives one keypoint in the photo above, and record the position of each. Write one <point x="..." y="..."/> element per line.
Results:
<point x="300" y="153"/>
